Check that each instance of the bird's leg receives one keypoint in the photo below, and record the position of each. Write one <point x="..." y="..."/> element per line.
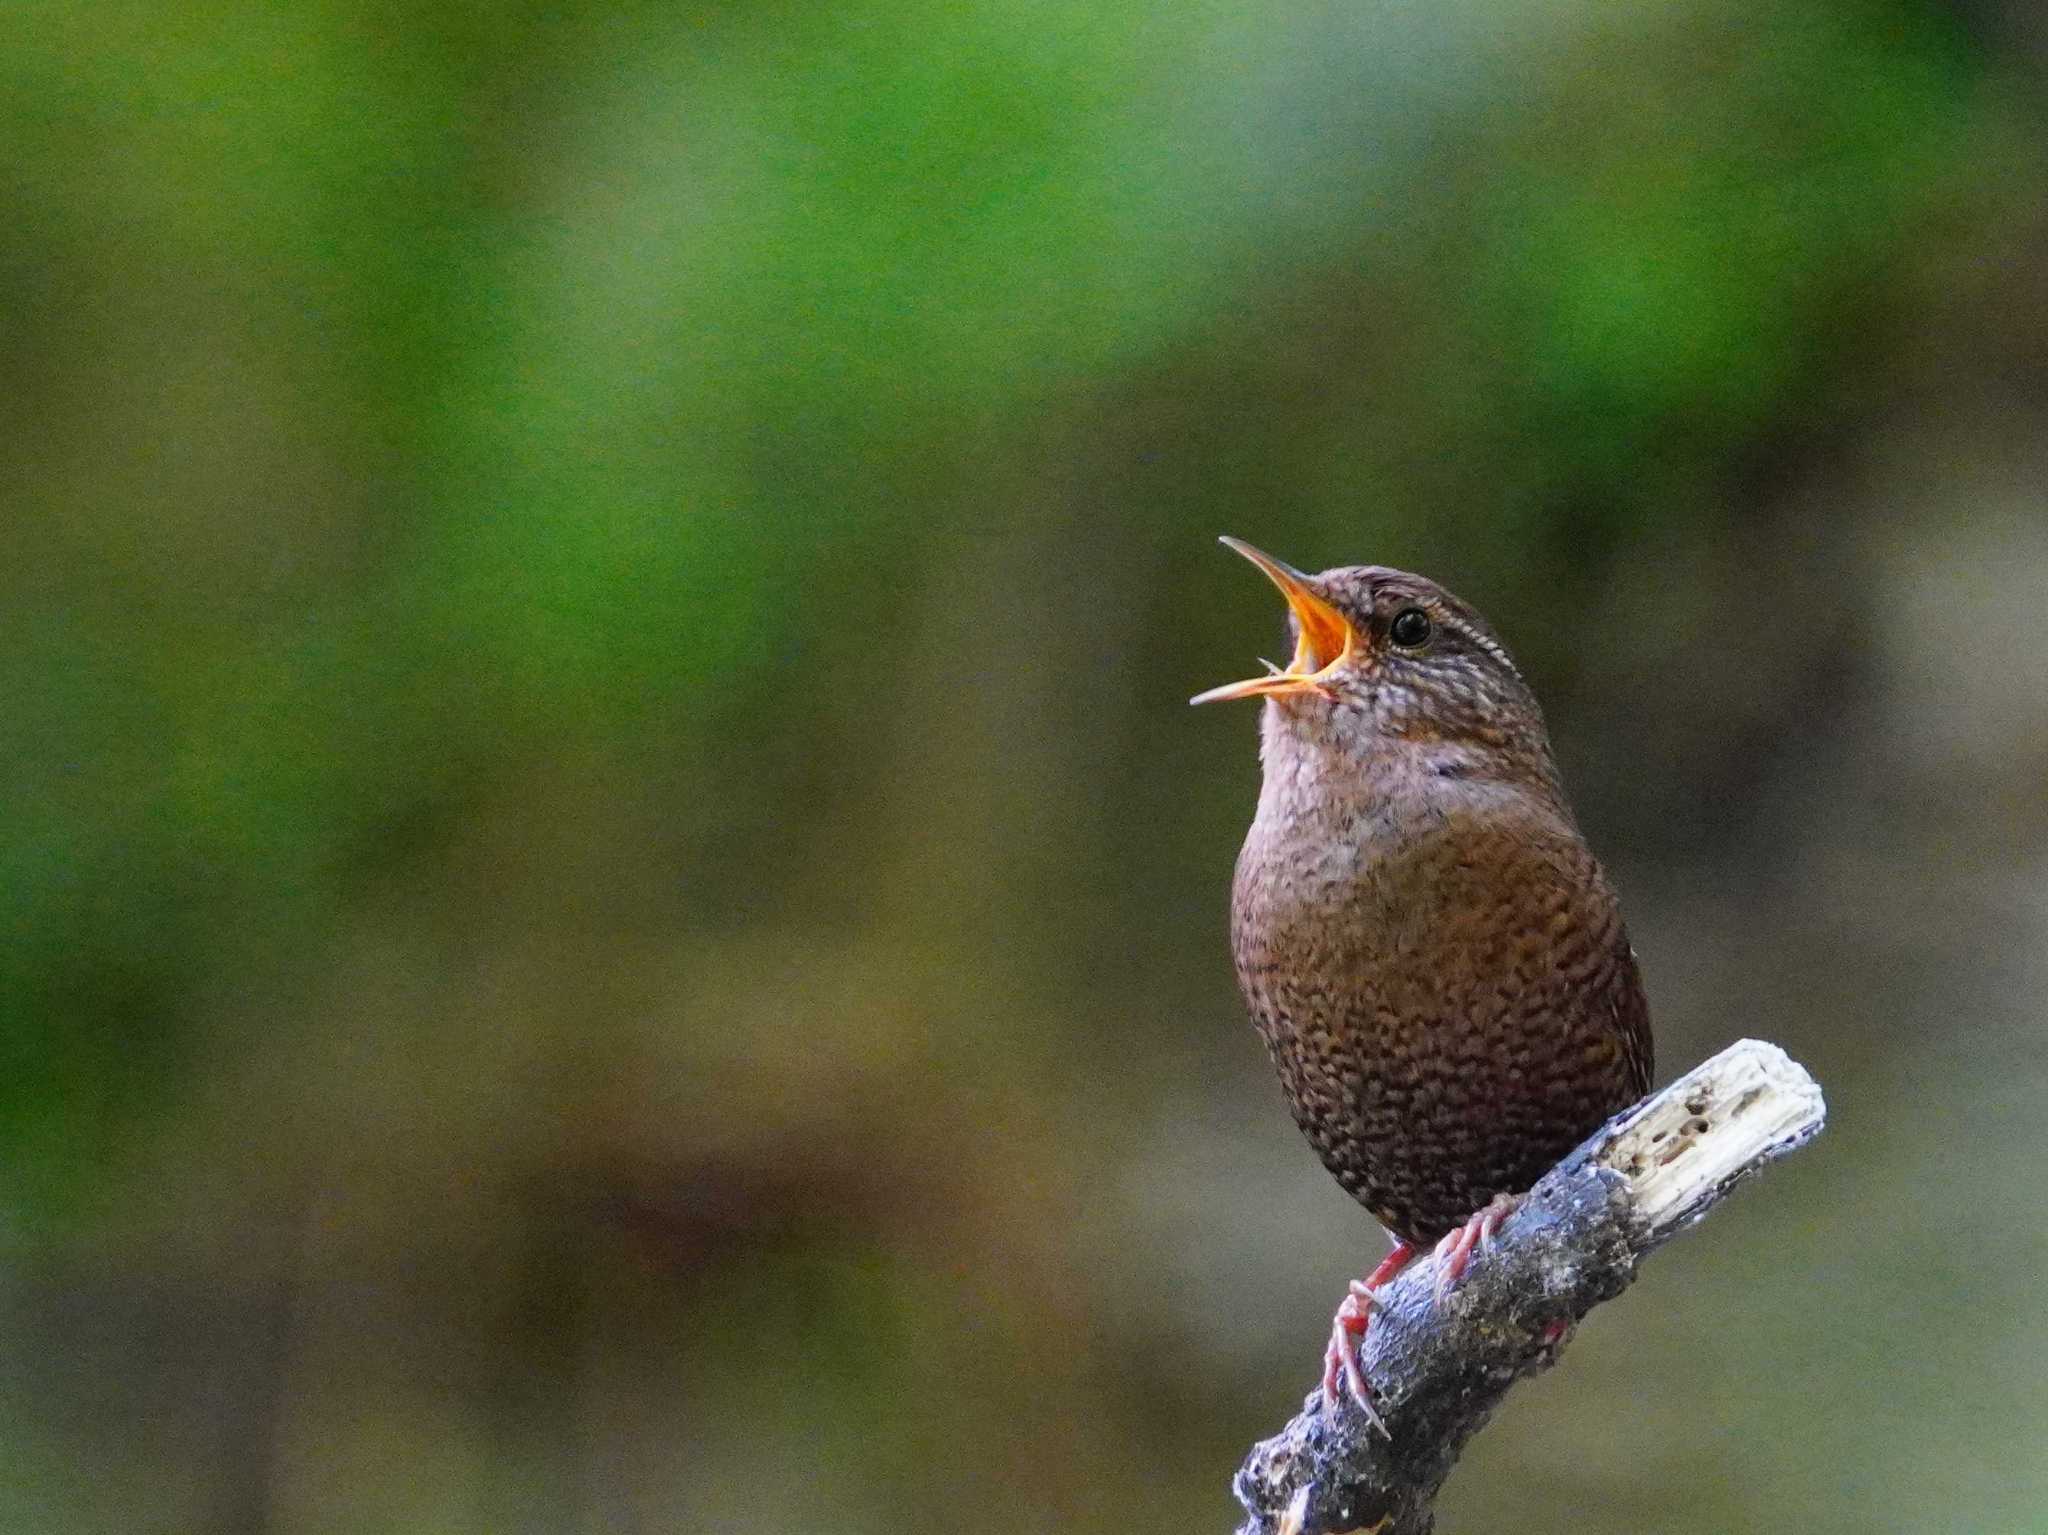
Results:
<point x="1347" y="1329"/>
<point x="1454" y="1252"/>
<point x="1347" y="1332"/>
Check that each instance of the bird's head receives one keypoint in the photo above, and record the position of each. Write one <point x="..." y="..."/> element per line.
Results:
<point x="1382" y="656"/>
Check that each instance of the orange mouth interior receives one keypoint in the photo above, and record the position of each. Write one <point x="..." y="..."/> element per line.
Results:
<point x="1324" y="638"/>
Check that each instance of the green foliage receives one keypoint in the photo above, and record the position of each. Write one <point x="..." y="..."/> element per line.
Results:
<point x="596" y="585"/>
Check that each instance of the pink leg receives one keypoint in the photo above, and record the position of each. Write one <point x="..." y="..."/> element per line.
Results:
<point x="1454" y="1252"/>
<point x="1347" y="1332"/>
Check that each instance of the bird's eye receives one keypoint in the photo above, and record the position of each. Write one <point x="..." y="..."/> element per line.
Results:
<point x="1410" y="628"/>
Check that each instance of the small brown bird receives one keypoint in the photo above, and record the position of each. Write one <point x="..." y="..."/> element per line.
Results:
<point x="1431" y="952"/>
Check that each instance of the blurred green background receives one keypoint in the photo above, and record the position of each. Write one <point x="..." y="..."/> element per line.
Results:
<point x="613" y="917"/>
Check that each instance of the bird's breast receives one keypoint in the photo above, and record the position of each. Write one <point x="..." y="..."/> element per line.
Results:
<point x="1370" y="915"/>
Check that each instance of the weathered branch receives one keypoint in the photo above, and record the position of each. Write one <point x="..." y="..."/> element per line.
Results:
<point x="1438" y="1372"/>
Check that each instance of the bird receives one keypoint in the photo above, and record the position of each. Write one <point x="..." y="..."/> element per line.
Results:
<point x="1433" y="956"/>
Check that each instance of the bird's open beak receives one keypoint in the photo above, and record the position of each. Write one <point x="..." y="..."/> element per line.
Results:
<point x="1325" y="637"/>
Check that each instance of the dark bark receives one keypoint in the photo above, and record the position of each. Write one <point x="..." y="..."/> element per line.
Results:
<point x="1439" y="1372"/>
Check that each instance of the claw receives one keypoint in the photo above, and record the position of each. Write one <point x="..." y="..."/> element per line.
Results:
<point x="1492" y="1218"/>
<point x="1341" y="1361"/>
<point x="1454" y="1253"/>
<point x="1342" y="1367"/>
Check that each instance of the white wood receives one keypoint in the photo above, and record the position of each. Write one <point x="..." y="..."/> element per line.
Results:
<point x="1728" y="1116"/>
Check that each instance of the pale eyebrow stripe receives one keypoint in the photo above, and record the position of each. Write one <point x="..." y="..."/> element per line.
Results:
<point x="1491" y="646"/>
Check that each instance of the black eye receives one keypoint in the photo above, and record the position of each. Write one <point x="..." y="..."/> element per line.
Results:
<point x="1410" y="628"/>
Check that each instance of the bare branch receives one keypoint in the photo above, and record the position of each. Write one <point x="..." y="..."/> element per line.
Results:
<point x="1438" y="1373"/>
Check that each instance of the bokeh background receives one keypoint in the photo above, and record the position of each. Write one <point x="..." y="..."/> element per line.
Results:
<point x="613" y="917"/>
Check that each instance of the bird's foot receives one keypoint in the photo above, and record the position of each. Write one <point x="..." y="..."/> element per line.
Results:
<point x="1347" y="1333"/>
<point x="1343" y="1371"/>
<point x="1454" y="1252"/>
